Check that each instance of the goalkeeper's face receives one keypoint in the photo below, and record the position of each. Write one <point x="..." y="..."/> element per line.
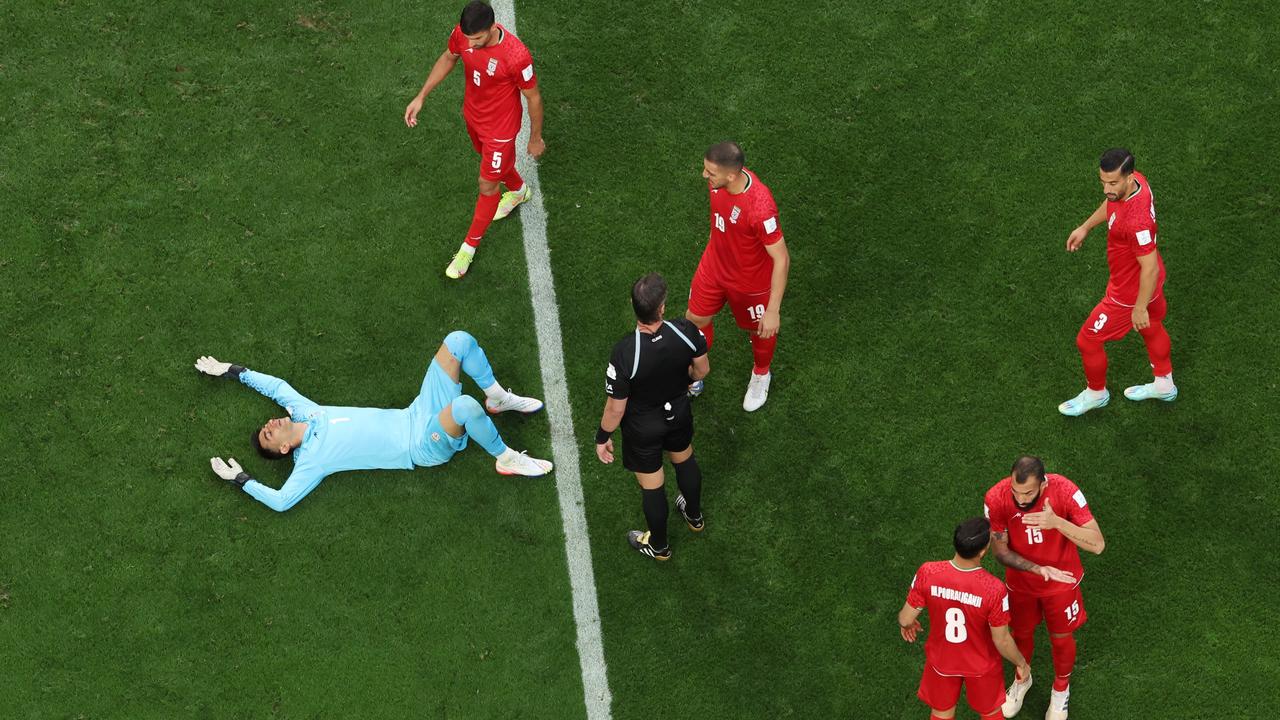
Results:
<point x="277" y="435"/>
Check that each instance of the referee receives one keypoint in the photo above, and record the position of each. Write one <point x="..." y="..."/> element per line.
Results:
<point x="647" y="383"/>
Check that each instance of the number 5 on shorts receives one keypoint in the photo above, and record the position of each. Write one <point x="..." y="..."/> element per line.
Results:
<point x="496" y="163"/>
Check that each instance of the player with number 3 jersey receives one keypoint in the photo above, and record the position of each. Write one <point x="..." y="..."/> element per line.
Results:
<point x="1038" y="522"/>
<point x="968" y="627"/>
<point x="499" y="69"/>
<point x="745" y="264"/>
<point x="1135" y="291"/>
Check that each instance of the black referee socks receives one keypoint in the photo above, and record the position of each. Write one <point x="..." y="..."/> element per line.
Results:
<point x="655" y="513"/>
<point x="689" y="480"/>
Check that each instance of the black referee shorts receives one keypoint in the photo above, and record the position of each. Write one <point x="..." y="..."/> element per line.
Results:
<point x="647" y="433"/>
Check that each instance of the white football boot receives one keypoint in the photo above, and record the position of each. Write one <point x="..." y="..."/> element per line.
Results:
<point x="1084" y="402"/>
<point x="1159" y="390"/>
<point x="511" y="199"/>
<point x="1014" y="696"/>
<point x="519" y="463"/>
<point x="1058" y="705"/>
<point x="757" y="391"/>
<point x="513" y="402"/>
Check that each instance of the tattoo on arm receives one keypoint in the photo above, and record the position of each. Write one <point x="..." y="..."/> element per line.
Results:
<point x="1007" y="556"/>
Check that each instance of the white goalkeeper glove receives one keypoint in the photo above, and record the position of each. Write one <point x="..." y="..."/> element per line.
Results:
<point x="229" y="470"/>
<point x="210" y="366"/>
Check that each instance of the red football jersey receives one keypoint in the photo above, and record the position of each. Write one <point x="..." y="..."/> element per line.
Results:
<point x="1042" y="547"/>
<point x="741" y="226"/>
<point x="963" y="606"/>
<point x="1131" y="233"/>
<point x="495" y="77"/>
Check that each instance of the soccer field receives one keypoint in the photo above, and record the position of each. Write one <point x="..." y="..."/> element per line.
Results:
<point x="236" y="179"/>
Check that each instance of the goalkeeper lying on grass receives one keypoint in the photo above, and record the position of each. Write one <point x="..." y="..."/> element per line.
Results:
<point x="326" y="439"/>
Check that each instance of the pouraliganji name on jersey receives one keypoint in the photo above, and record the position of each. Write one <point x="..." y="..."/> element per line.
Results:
<point x="956" y="595"/>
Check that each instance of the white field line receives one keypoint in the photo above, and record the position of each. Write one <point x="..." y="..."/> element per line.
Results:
<point x="564" y="448"/>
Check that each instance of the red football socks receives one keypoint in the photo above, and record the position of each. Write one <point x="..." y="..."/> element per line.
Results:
<point x="486" y="206"/>
<point x="1064" y="660"/>
<point x="1026" y="645"/>
<point x="1094" y="357"/>
<point x="1158" y="347"/>
<point x="513" y="181"/>
<point x="709" y="332"/>
<point x="762" y="352"/>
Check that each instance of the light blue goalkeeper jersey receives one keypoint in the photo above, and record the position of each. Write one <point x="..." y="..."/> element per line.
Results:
<point x="337" y="439"/>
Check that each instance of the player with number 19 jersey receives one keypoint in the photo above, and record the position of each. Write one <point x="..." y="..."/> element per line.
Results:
<point x="735" y="263"/>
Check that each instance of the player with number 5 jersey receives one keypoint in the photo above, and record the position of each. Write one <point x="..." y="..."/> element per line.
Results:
<point x="968" y="627"/>
<point x="1135" y="291"/>
<point x="745" y="264"/>
<point x="499" y="69"/>
<point x="1038" y="522"/>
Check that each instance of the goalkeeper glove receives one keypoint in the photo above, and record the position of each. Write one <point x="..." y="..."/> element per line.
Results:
<point x="210" y="366"/>
<point x="229" y="470"/>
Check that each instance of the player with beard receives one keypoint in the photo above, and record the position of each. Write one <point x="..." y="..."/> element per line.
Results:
<point x="1038" y="521"/>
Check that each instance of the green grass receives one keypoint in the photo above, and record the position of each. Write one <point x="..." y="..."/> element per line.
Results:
<point x="237" y="180"/>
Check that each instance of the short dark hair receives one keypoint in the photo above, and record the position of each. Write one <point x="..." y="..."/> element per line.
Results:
<point x="1117" y="158"/>
<point x="972" y="537"/>
<point x="476" y="16"/>
<point x="647" y="296"/>
<point x="265" y="452"/>
<point x="1028" y="466"/>
<point x="726" y="154"/>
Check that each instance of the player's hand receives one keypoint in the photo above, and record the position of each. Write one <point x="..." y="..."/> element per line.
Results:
<point x="1022" y="673"/>
<point x="227" y="470"/>
<point x="1053" y="574"/>
<point x="1046" y="519"/>
<point x="1141" y="318"/>
<point x="909" y="632"/>
<point x="210" y="366"/>
<point x="1076" y="239"/>
<point x="412" y="110"/>
<point x="604" y="451"/>
<point x="768" y="325"/>
<point x="537" y="146"/>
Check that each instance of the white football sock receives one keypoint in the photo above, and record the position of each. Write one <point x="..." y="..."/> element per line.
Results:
<point x="496" y="393"/>
<point x="466" y="250"/>
<point x="1164" y="383"/>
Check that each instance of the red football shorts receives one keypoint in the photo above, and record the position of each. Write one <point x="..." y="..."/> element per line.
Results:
<point x="708" y="294"/>
<point x="1062" y="612"/>
<point x="496" y="156"/>
<point x="1112" y="321"/>
<point x="985" y="693"/>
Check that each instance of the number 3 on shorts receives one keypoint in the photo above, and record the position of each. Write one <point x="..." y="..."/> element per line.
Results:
<point x="496" y="163"/>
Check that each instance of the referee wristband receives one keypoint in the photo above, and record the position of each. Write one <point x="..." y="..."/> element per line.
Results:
<point x="602" y="436"/>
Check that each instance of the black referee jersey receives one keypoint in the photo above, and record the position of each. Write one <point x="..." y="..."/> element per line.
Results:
<point x="650" y="370"/>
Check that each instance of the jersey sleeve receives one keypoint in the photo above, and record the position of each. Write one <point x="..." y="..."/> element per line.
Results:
<point x="457" y="41"/>
<point x="1143" y="234"/>
<point x="304" y="478"/>
<point x="695" y="336"/>
<point x="1077" y="511"/>
<point x="999" y="615"/>
<point x="280" y="391"/>
<point x="994" y="511"/>
<point x="767" y="221"/>
<point x="617" y="377"/>
<point x="915" y="596"/>
<point x="525" y="76"/>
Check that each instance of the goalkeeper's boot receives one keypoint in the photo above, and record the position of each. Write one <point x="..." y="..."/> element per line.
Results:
<point x="640" y="541"/>
<point x="757" y="391"/>
<point x="519" y="463"/>
<point x="696" y="388"/>
<point x="1058" y="705"/>
<point x="695" y="524"/>
<point x="1014" y="696"/>
<point x="1084" y="402"/>
<point x="512" y="198"/>
<point x="513" y="402"/>
<point x="460" y="264"/>
<point x="1161" y="389"/>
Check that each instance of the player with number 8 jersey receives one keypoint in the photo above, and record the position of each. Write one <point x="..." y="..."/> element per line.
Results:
<point x="1038" y="522"/>
<point x="968" y="627"/>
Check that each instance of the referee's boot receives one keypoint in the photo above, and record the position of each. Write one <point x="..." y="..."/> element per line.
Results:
<point x="640" y="541"/>
<point x="695" y="524"/>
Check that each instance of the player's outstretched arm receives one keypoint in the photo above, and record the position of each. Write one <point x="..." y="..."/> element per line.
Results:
<point x="211" y="366"/>
<point x="1009" y="651"/>
<point x="442" y="68"/>
<point x="909" y="622"/>
<point x="1077" y="236"/>
<point x="1007" y="557"/>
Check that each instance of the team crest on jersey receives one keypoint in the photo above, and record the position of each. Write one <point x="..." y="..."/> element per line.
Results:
<point x="435" y="437"/>
<point x="1111" y="221"/>
<point x="493" y="66"/>
<point x="733" y="216"/>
